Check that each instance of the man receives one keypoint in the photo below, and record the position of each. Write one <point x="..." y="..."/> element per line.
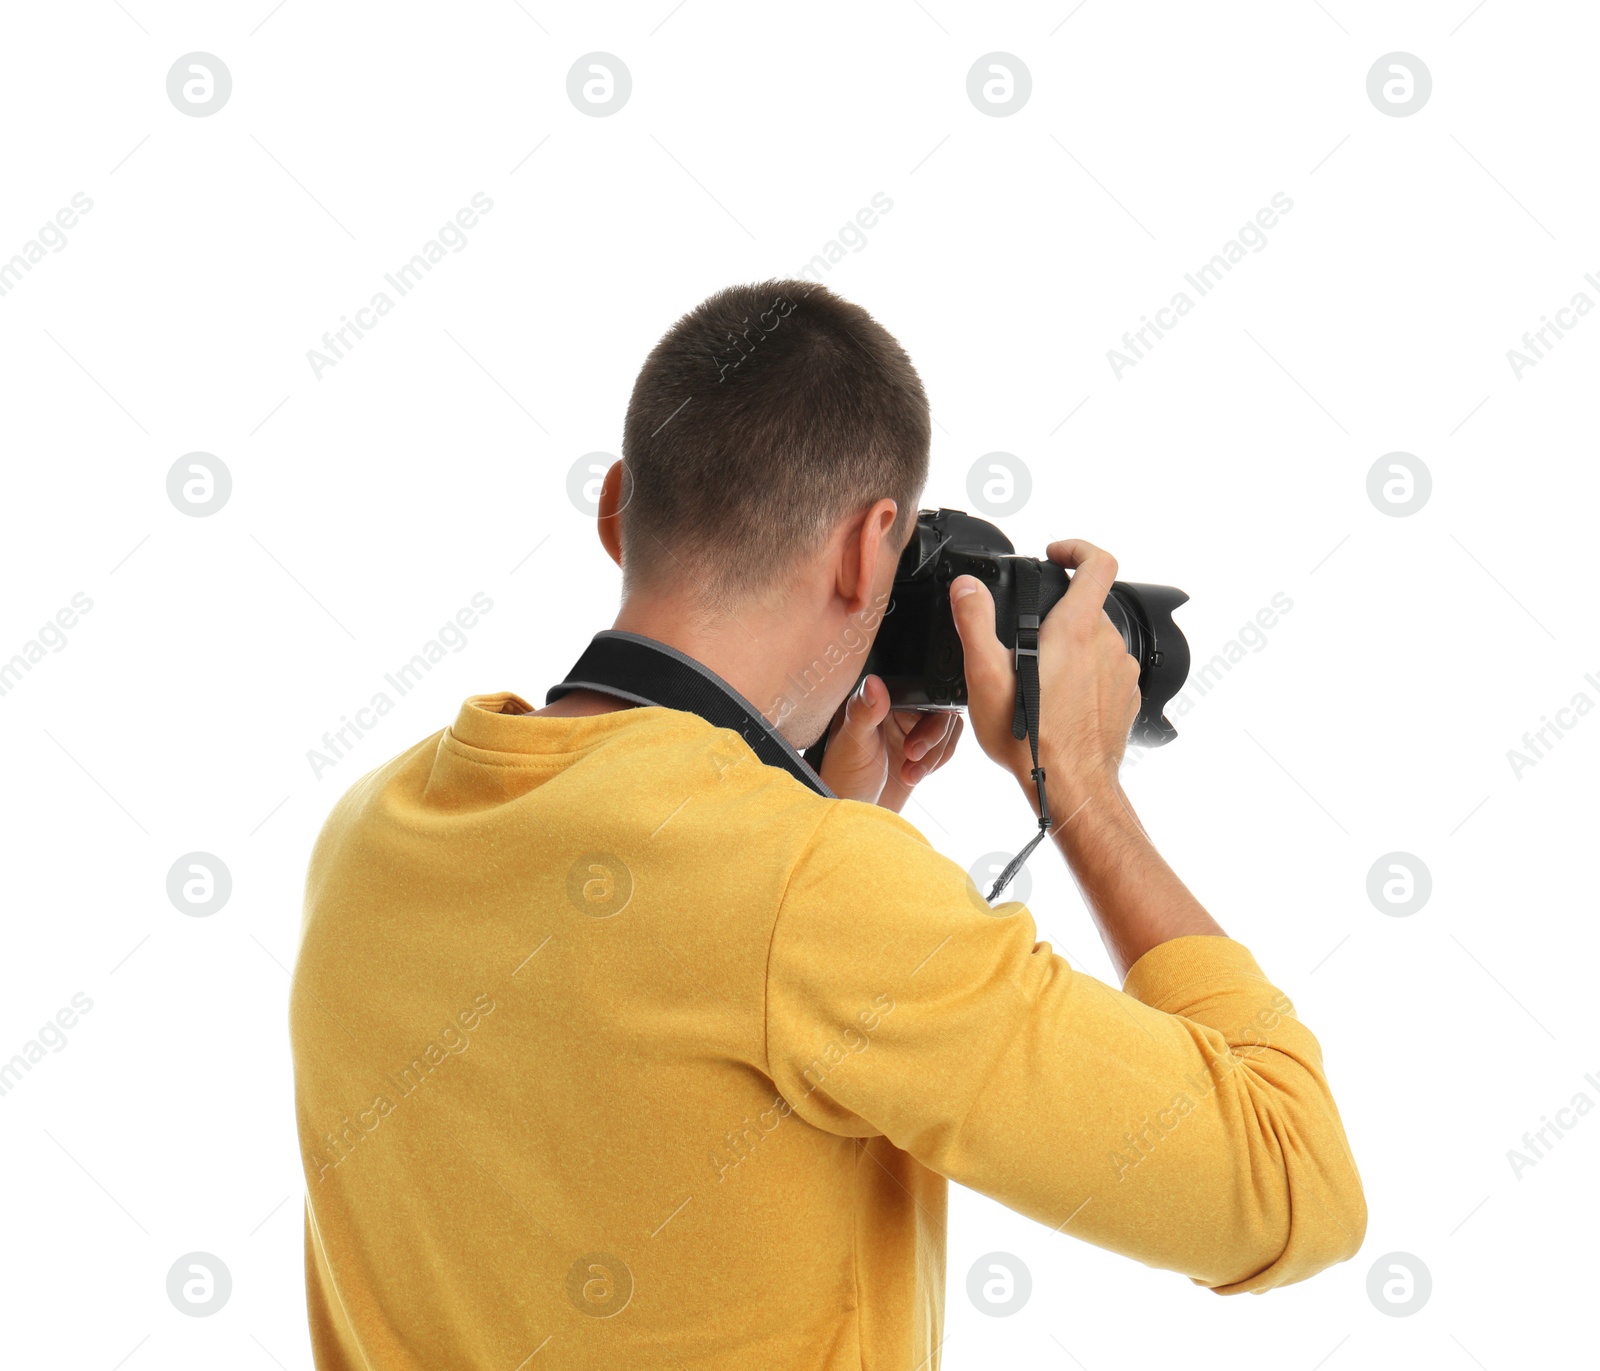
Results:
<point x="618" y="1046"/>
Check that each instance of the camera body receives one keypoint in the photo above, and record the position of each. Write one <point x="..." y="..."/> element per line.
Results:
<point x="918" y="651"/>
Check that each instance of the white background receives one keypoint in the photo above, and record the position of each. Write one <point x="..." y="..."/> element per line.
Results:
<point x="430" y="463"/>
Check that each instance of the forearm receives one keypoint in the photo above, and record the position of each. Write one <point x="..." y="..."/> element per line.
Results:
<point x="1137" y="900"/>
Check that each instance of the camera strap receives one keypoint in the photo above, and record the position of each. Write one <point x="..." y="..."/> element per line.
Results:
<point x="646" y="672"/>
<point x="1025" y="719"/>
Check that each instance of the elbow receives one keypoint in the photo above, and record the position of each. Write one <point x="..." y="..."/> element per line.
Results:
<point x="1350" y="1213"/>
<point x="1331" y="1222"/>
<point x="1319" y="1227"/>
<point x="1330" y="1196"/>
<point x="1331" y="1227"/>
<point x="1310" y="1208"/>
<point x="1324" y="1221"/>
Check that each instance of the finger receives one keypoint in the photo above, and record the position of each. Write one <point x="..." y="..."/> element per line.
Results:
<point x="925" y="735"/>
<point x="1072" y="553"/>
<point x="987" y="660"/>
<point x="937" y="756"/>
<point x="946" y="748"/>
<point x="858" y="721"/>
<point x="867" y="707"/>
<point x="1094" y="569"/>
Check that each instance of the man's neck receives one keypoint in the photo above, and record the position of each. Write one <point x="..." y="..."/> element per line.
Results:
<point x="749" y="648"/>
<point x="756" y="649"/>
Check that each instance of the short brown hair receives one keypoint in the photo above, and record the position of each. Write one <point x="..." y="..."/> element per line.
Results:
<point x="764" y="416"/>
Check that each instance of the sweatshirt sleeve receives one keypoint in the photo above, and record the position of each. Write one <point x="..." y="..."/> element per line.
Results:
<point x="1184" y="1121"/>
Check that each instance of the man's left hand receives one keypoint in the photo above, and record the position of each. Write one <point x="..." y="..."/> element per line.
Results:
<point x="876" y="754"/>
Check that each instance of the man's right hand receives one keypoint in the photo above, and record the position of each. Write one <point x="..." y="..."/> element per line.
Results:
<point x="1089" y="698"/>
<point x="1088" y="681"/>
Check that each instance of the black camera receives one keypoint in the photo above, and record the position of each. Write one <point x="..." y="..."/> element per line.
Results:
<point x="918" y="651"/>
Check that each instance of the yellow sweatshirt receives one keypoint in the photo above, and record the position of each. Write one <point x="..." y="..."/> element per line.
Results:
<point x="616" y="1048"/>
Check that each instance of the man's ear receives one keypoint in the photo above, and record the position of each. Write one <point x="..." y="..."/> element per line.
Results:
<point x="610" y="521"/>
<point x="865" y="549"/>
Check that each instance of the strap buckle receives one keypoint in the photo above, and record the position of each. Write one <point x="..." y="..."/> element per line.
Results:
<point x="1027" y="632"/>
